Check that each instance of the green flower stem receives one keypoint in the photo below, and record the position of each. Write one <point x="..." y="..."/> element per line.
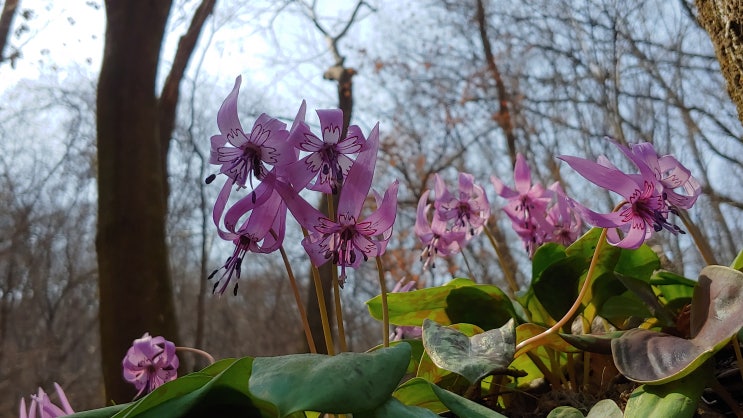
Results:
<point x="508" y="274"/>
<point x="584" y="291"/>
<point x="321" y="305"/>
<point x="298" y="298"/>
<point x="323" y="311"/>
<point x="202" y="353"/>
<point x="699" y="241"/>
<point x="385" y="310"/>
<point x="336" y="287"/>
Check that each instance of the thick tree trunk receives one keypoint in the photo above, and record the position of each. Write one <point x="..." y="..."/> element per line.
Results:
<point x="6" y="21"/>
<point x="135" y="292"/>
<point x="723" y="20"/>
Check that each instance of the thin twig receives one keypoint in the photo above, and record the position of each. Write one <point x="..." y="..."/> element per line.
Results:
<point x="298" y="299"/>
<point x="385" y="310"/>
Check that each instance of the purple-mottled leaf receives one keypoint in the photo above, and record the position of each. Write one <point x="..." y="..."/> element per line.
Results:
<point x="473" y="358"/>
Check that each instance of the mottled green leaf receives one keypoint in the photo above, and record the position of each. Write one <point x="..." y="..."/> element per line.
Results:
<point x="717" y="314"/>
<point x="474" y="357"/>
<point x="345" y="383"/>
<point x="678" y="398"/>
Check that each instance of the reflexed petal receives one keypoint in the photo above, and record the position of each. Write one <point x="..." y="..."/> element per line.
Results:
<point x="227" y="119"/>
<point x="384" y="217"/>
<point x="354" y="191"/>
<point x="602" y="176"/>
<point x="521" y="174"/>
<point x="353" y="142"/>
<point x="331" y="124"/>
<point x="502" y="190"/>
<point x="422" y="227"/>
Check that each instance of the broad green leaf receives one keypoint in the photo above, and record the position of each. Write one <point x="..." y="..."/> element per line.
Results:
<point x="460" y="300"/>
<point x="474" y="357"/>
<point x="557" y="286"/>
<point x="221" y="387"/>
<point x="676" y="399"/>
<point x="594" y="343"/>
<point x="345" y="383"/>
<point x="642" y="289"/>
<point x="717" y="314"/>
<point x="640" y="263"/>
<point x="417" y="392"/>
<point x="545" y="256"/>
<point x="395" y="408"/>
<point x="106" y="412"/>
<point x="565" y="412"/>
<point x="605" y="408"/>
<point x="737" y="264"/>
<point x="464" y="407"/>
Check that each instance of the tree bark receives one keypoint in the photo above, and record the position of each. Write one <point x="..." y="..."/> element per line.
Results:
<point x="6" y="21"/>
<point x="723" y="20"/>
<point x="135" y="291"/>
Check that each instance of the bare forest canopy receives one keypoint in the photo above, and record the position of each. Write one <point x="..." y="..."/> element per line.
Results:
<point x="455" y="85"/>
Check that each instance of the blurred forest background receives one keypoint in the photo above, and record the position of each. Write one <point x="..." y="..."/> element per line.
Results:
<point x="456" y="86"/>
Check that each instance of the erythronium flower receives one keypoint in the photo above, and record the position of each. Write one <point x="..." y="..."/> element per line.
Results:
<point x="565" y="221"/>
<point x="349" y="240"/>
<point x="150" y="362"/>
<point x="527" y="205"/>
<point x="643" y="211"/>
<point x="244" y="156"/>
<point x="437" y="240"/>
<point x="262" y="232"/>
<point x="328" y="160"/>
<point x="469" y="210"/>
<point x="667" y="170"/>
<point x="45" y="406"/>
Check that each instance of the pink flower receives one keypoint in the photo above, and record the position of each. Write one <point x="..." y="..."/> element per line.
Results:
<point x="328" y="160"/>
<point x="469" y="209"/>
<point x="43" y="404"/>
<point x="350" y="239"/>
<point x="150" y="362"/>
<point x="436" y="238"/>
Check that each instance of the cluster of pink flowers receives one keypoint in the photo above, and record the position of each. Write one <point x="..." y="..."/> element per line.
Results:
<point x="540" y="215"/>
<point x="43" y="405"/>
<point x="272" y="154"/>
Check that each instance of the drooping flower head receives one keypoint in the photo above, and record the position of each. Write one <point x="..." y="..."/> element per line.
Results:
<point x="243" y="157"/>
<point x="468" y="210"/>
<point x="349" y="240"/>
<point x="527" y="205"/>
<point x="150" y="362"/>
<point x="328" y="160"/>
<point x="46" y="408"/>
<point x="262" y="228"/>
<point x="565" y="222"/>
<point x="646" y="204"/>
<point x="437" y="239"/>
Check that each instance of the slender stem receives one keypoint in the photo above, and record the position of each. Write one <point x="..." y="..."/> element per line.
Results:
<point x="336" y="287"/>
<point x="321" y="305"/>
<point x="508" y="274"/>
<point x="738" y="356"/>
<point x="202" y="353"/>
<point x="323" y="311"/>
<point x="298" y="299"/>
<point x="573" y="309"/>
<point x="339" y="311"/>
<point x="699" y="241"/>
<point x="385" y="310"/>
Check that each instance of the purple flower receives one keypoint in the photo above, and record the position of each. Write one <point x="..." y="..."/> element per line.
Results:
<point x="437" y="240"/>
<point x="261" y="232"/>
<point x="328" y="160"/>
<point x="667" y="170"/>
<point x="150" y="362"/>
<point x="402" y="332"/>
<point x="527" y="205"/>
<point x="44" y="405"/>
<point x="349" y="240"/>
<point x="242" y="156"/>
<point x="469" y="211"/>
<point x="565" y="221"/>
<point x="643" y="211"/>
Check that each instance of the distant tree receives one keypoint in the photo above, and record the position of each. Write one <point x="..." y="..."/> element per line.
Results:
<point x="134" y="128"/>
<point x="6" y="23"/>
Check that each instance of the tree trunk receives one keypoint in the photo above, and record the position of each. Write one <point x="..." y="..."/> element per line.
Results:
<point x="6" y="22"/>
<point x="135" y="291"/>
<point x="723" y="20"/>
